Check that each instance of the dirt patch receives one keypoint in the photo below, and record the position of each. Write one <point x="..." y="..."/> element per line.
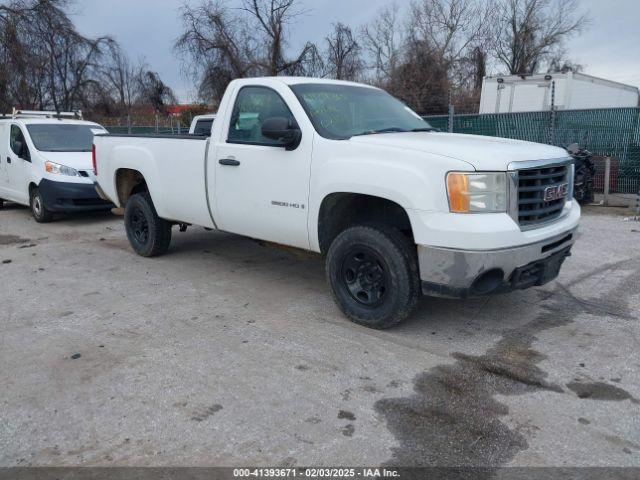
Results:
<point x="203" y="413"/>
<point x="348" y="430"/>
<point x="602" y="210"/>
<point x="453" y="418"/>
<point x="600" y="391"/>
<point x="345" y="414"/>
<point x="12" y="240"/>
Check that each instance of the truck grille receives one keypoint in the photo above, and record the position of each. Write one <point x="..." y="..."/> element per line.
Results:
<point x="532" y="183"/>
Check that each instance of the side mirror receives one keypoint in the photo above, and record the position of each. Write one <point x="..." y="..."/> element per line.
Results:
<point x="280" y="129"/>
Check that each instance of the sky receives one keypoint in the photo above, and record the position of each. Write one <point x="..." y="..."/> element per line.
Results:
<point x="608" y="48"/>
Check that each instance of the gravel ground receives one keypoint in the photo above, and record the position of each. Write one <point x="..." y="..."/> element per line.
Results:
<point x="228" y="352"/>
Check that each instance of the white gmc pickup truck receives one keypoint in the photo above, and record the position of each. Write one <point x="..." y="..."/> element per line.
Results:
<point x="346" y="170"/>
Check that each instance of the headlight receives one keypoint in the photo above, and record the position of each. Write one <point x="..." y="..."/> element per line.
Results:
<point x="477" y="192"/>
<point x="58" y="169"/>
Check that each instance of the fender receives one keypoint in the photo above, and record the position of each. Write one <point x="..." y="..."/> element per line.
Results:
<point x="139" y="159"/>
<point x="414" y="180"/>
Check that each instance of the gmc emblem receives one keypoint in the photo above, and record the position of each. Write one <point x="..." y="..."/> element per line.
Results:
<point x="556" y="192"/>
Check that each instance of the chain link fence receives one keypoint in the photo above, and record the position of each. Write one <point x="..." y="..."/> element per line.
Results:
<point x="606" y="132"/>
<point x="148" y="130"/>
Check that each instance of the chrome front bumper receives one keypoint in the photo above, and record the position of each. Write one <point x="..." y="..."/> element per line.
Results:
<point x="467" y="273"/>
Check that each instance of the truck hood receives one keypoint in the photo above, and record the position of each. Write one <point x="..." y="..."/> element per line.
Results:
<point x="483" y="153"/>
<point x="77" y="160"/>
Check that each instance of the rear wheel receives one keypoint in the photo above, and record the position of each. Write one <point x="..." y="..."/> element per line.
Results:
<point x="373" y="274"/>
<point x="38" y="208"/>
<point x="148" y="234"/>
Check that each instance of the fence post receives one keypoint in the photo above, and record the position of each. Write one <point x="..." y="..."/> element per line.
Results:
<point x="128" y="124"/>
<point x="607" y="179"/>
<point x="157" y="124"/>
<point x="552" y="120"/>
<point x="451" y="115"/>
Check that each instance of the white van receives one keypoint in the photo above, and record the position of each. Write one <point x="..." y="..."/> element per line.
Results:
<point x="46" y="163"/>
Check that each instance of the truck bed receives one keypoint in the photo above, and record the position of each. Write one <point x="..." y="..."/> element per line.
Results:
<point x="174" y="167"/>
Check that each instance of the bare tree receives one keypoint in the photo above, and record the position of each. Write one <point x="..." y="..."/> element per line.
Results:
<point x="21" y="76"/>
<point x="121" y="79"/>
<point x="217" y="47"/>
<point x="420" y="79"/>
<point x="450" y="28"/>
<point x="153" y="91"/>
<point x="383" y="40"/>
<point x="532" y="32"/>
<point x="343" y="58"/>
<point x="51" y="64"/>
<point x="559" y="63"/>
<point x="220" y="45"/>
<point x="70" y="60"/>
<point x="272" y="18"/>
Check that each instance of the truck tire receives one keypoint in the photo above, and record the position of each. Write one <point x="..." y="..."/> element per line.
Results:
<point x="372" y="271"/>
<point x="38" y="208"/>
<point x="148" y="234"/>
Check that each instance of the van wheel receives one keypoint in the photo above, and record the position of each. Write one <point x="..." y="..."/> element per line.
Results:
<point x="38" y="209"/>
<point x="148" y="234"/>
<point x="373" y="274"/>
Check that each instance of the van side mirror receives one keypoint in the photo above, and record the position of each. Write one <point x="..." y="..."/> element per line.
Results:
<point x="281" y="129"/>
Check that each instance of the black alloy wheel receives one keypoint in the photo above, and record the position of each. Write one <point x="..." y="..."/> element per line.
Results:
<point x="365" y="276"/>
<point x="139" y="226"/>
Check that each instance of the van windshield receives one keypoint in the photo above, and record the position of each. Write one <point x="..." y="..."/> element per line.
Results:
<point x="49" y="137"/>
<point x="340" y="112"/>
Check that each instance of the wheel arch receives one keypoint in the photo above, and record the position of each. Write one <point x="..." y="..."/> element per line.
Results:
<point x="339" y="210"/>
<point x="128" y="182"/>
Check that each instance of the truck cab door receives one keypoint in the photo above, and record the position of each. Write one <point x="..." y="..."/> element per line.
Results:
<point x="261" y="188"/>
<point x="17" y="162"/>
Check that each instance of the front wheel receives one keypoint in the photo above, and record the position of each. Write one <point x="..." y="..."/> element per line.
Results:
<point x="38" y="208"/>
<point x="148" y="234"/>
<point x="373" y="274"/>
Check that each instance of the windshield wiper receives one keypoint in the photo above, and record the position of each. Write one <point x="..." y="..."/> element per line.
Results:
<point x="423" y="129"/>
<point x="382" y="130"/>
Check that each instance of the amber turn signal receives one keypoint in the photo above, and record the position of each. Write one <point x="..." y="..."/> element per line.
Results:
<point x="458" y="188"/>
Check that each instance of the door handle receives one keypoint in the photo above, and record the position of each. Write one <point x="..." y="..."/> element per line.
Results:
<point x="229" y="162"/>
<point x="8" y="159"/>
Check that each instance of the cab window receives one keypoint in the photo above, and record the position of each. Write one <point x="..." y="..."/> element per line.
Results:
<point x="16" y="139"/>
<point x="253" y="106"/>
<point x="203" y="127"/>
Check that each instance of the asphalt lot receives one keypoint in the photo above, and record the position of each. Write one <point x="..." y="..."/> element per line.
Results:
<point x="228" y="352"/>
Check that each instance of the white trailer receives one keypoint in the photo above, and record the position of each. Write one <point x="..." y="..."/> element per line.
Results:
<point x="564" y="91"/>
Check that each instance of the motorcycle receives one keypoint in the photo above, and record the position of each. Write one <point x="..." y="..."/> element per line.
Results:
<point x="585" y="171"/>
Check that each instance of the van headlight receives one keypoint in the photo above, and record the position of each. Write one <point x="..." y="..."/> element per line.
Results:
<point x="58" y="169"/>
<point x="480" y="192"/>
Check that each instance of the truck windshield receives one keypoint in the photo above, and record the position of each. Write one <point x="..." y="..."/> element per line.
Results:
<point x="340" y="112"/>
<point x="51" y="137"/>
